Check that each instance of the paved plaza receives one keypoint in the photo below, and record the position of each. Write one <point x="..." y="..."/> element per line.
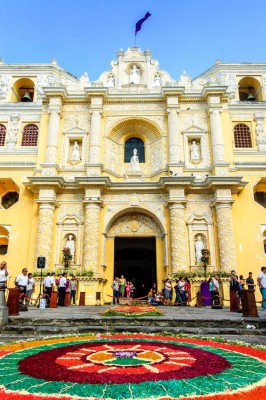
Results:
<point x="205" y="321"/>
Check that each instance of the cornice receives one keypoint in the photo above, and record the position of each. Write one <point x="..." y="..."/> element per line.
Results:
<point x="55" y="92"/>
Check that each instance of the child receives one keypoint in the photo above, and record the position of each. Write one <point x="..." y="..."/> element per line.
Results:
<point x="132" y="288"/>
<point x="128" y="289"/>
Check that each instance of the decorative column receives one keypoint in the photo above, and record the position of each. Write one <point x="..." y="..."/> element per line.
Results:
<point x="45" y="231"/>
<point x="178" y="236"/>
<point x="95" y="137"/>
<point x="55" y="106"/>
<point x="227" y="252"/>
<point x="91" y="237"/>
<point x="178" y="229"/>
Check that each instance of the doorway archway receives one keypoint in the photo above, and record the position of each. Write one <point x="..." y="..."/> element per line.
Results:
<point x="135" y="258"/>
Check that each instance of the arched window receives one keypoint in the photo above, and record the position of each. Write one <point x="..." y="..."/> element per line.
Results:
<point x="2" y="134"/>
<point x="242" y="136"/>
<point x="130" y="145"/>
<point x="30" y="135"/>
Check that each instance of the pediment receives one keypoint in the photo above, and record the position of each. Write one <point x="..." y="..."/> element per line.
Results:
<point x="194" y="129"/>
<point x="75" y="131"/>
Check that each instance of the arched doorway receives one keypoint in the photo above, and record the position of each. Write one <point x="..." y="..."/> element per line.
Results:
<point x="135" y="258"/>
<point x="135" y="246"/>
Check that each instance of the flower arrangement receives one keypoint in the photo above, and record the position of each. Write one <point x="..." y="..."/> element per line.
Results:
<point x="133" y="311"/>
<point x="103" y="365"/>
<point x="67" y="256"/>
<point x="205" y="259"/>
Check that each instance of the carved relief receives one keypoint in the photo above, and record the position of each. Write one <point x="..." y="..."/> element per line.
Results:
<point x="135" y="106"/>
<point x="51" y="154"/>
<point x="94" y="153"/>
<point x="73" y="197"/>
<point x="70" y="121"/>
<point x="226" y="237"/>
<point x="218" y="152"/>
<point x="199" y="120"/>
<point x="174" y="152"/>
<point x="45" y="232"/>
<point x="41" y="81"/>
<point x="13" y="129"/>
<point x="91" y="237"/>
<point x="76" y="107"/>
<point x="4" y="86"/>
<point x="111" y="156"/>
<point x="129" y="224"/>
<point x="71" y="209"/>
<point x="156" y="155"/>
<point x="179" y="238"/>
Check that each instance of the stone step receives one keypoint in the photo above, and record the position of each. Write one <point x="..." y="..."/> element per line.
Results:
<point x="19" y="331"/>
<point x="114" y="322"/>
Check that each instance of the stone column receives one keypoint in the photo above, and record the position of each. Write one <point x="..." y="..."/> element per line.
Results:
<point x="95" y="137"/>
<point x="178" y="237"/>
<point x="173" y="136"/>
<point x="227" y="252"/>
<point x="216" y="135"/>
<point x="91" y="237"/>
<point x="45" y="231"/>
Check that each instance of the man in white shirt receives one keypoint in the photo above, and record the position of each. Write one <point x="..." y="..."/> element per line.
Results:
<point x="21" y="282"/>
<point x="62" y="290"/>
<point x="29" y="288"/>
<point x="262" y="285"/>
<point x="3" y="274"/>
<point x="47" y="288"/>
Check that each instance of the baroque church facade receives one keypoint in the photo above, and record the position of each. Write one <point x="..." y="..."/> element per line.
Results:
<point x="135" y="168"/>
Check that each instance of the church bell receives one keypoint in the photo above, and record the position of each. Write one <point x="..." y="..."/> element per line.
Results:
<point x="250" y="96"/>
<point x="26" y="98"/>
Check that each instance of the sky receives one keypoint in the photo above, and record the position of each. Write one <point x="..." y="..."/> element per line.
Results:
<point x="85" y="35"/>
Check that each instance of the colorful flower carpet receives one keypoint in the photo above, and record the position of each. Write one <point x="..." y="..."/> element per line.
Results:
<point x="133" y="311"/>
<point x="131" y="366"/>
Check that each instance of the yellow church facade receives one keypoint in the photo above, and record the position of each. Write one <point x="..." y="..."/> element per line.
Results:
<point x="135" y="168"/>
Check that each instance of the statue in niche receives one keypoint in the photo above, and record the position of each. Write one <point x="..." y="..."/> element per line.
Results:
<point x="157" y="80"/>
<point x="134" y="75"/>
<point x="70" y="243"/>
<point x="199" y="246"/>
<point x="75" y="155"/>
<point x="110" y="81"/>
<point x="194" y="151"/>
<point x="134" y="162"/>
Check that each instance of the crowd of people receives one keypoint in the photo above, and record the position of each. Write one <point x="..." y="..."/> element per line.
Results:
<point x="176" y="292"/>
<point x="122" y="288"/>
<point x="26" y="284"/>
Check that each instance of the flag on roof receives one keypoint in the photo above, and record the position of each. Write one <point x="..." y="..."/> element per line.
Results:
<point x="140" y="22"/>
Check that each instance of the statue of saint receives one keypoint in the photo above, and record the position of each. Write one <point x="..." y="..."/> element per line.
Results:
<point x="134" y="75"/>
<point x="71" y="245"/>
<point x="157" y="80"/>
<point x="134" y="162"/>
<point x="75" y="155"/>
<point x="199" y="246"/>
<point x="110" y="81"/>
<point x="194" y="151"/>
